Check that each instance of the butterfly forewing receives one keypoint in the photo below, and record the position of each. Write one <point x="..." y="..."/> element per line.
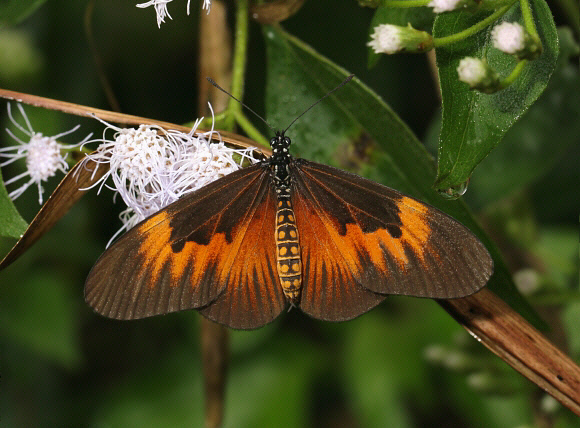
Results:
<point x="391" y="243"/>
<point x="184" y="256"/>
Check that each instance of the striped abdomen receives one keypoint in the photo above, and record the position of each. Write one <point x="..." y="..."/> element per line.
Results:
<point x="288" y="249"/>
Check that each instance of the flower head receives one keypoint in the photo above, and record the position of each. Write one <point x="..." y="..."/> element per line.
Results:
<point x="391" y="39"/>
<point x="151" y="167"/>
<point x="478" y="75"/>
<point x="43" y="155"/>
<point x="508" y="37"/>
<point x="512" y="38"/>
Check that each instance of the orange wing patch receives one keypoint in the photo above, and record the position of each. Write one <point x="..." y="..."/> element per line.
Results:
<point x="332" y="288"/>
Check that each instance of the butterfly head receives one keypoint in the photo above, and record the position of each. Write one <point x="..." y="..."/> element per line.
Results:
<point x="280" y="144"/>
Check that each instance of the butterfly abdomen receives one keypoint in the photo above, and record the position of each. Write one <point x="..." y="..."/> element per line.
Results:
<point x="288" y="258"/>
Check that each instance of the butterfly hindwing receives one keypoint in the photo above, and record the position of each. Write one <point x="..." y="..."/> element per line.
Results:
<point x="387" y="242"/>
<point x="186" y="255"/>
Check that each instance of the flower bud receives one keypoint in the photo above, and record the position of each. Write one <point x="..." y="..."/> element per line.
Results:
<point x="512" y="38"/>
<point x="391" y="39"/>
<point x="478" y="75"/>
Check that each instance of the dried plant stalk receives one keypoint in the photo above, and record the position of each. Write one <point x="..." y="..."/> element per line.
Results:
<point x="508" y="335"/>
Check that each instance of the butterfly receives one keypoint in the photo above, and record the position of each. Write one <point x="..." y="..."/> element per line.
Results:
<point x="286" y="232"/>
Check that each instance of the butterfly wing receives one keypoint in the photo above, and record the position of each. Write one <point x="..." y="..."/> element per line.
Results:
<point x="199" y="252"/>
<point x="367" y="238"/>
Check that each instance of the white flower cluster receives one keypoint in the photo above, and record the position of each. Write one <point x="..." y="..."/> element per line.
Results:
<point x="44" y="156"/>
<point x="386" y="39"/>
<point x="151" y="167"/>
<point x="508" y="37"/>
<point x="478" y="74"/>
<point x="390" y="39"/>
<point x="162" y="12"/>
<point x="471" y="70"/>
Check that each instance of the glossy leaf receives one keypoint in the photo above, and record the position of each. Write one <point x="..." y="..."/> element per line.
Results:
<point x="381" y="145"/>
<point x="474" y="123"/>
<point x="532" y="146"/>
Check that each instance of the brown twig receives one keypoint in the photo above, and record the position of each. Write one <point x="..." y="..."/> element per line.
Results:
<point x="119" y="118"/>
<point x="504" y="332"/>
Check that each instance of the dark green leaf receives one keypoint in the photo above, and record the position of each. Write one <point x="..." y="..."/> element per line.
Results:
<point x="379" y="144"/>
<point x="535" y="142"/>
<point x="14" y="11"/>
<point x="12" y="225"/>
<point x="474" y="123"/>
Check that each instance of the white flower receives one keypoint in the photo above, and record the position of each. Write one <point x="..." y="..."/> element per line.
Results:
<point x="471" y="70"/>
<point x="43" y="155"/>
<point x="151" y="167"/>
<point x="390" y="39"/>
<point x="508" y="37"/>
<point x="440" y="6"/>
<point x="478" y="75"/>
<point x="161" y="8"/>
<point x="386" y="39"/>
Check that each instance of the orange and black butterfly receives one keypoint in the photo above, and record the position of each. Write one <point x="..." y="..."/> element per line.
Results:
<point x="286" y="232"/>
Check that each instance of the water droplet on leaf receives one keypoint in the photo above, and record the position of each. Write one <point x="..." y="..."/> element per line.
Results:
<point x="455" y="192"/>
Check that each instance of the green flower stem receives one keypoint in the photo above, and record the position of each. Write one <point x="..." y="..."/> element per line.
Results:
<point x="442" y="41"/>
<point x="405" y="3"/>
<point x="239" y="62"/>
<point x="250" y="130"/>
<point x="529" y="20"/>
<point x="514" y="74"/>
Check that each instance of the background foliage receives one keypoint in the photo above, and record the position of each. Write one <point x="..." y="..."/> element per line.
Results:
<point x="61" y="365"/>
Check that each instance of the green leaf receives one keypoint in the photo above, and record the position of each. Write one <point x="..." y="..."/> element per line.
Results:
<point x="14" y="11"/>
<point x="355" y="128"/>
<point x="529" y="149"/>
<point x="474" y="123"/>
<point x="421" y="18"/>
<point x="12" y="225"/>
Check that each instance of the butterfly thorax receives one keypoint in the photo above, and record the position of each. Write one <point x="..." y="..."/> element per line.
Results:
<point x="280" y="158"/>
<point x="289" y="263"/>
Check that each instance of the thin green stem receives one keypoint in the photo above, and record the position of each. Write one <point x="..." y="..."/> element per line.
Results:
<point x="529" y="20"/>
<point x="514" y="74"/>
<point x="239" y="62"/>
<point x="442" y="41"/>
<point x="250" y="130"/>
<point x="406" y="3"/>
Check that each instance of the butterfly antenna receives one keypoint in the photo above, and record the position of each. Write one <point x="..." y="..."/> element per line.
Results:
<point x="210" y="80"/>
<point x="348" y="79"/>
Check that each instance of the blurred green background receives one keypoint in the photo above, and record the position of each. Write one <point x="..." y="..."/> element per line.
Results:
<point x="404" y="364"/>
